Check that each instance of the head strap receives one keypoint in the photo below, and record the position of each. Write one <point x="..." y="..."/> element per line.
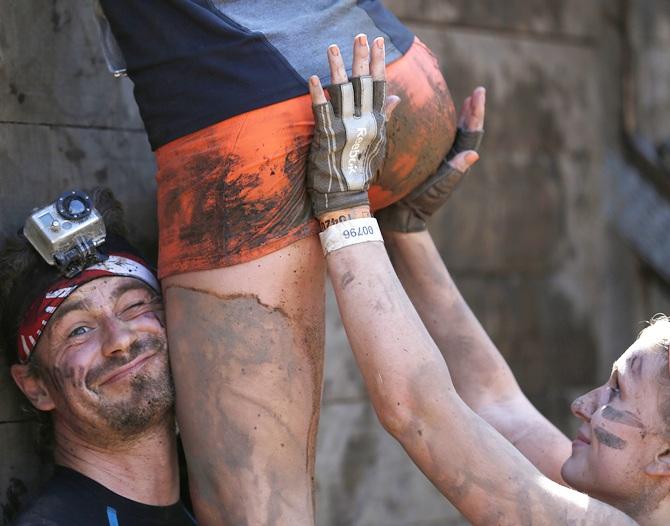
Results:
<point x="44" y="306"/>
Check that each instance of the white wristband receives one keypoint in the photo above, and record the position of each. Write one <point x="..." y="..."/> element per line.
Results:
<point x="350" y="232"/>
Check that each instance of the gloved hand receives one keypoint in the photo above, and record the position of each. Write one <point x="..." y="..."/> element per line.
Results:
<point x="411" y="212"/>
<point x="349" y="143"/>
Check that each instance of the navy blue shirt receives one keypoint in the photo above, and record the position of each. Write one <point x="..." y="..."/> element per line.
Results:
<point x="197" y="62"/>
<point x="72" y="499"/>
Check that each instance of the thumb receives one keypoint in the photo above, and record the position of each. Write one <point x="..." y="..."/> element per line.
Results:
<point x="463" y="161"/>
<point x="392" y="102"/>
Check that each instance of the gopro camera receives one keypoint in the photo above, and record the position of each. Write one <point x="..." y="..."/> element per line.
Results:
<point x="67" y="232"/>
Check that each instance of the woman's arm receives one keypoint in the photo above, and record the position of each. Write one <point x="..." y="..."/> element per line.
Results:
<point x="481" y="376"/>
<point x="409" y="385"/>
<point x="407" y="377"/>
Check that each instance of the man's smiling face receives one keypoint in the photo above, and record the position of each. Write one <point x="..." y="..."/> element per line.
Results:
<point x="103" y="360"/>
<point x="622" y="442"/>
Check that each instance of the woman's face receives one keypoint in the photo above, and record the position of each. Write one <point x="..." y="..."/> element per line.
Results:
<point x="622" y="440"/>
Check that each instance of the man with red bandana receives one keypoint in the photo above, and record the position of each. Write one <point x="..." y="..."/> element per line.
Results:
<point x="90" y="353"/>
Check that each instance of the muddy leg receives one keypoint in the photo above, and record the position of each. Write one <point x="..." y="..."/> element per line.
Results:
<point x="246" y="348"/>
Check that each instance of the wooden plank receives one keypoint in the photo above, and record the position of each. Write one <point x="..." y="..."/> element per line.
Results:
<point x="364" y="476"/>
<point x="37" y="163"/>
<point x="21" y="472"/>
<point x="52" y="68"/>
<point x="13" y="402"/>
<point x="651" y="44"/>
<point x="549" y="345"/>
<point x="568" y="19"/>
<point x="539" y="172"/>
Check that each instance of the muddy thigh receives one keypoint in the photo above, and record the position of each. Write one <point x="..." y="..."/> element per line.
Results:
<point x="248" y="372"/>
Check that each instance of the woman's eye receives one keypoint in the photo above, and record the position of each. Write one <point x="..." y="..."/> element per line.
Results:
<point x="614" y="390"/>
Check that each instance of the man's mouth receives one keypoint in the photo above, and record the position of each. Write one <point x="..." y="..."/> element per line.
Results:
<point x="127" y="369"/>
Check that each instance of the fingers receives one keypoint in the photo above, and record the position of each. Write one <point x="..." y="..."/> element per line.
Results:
<point x="366" y="61"/>
<point x="357" y="96"/>
<point x="464" y="160"/>
<point x="472" y="113"/>
<point x="363" y="94"/>
<point x="338" y="73"/>
<point x="341" y="92"/>
<point x="378" y="59"/>
<point x="478" y="109"/>
<point x="316" y="91"/>
<point x="361" y="63"/>
<point x="466" y="111"/>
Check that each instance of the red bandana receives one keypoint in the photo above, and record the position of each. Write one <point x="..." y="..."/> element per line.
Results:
<point x="40" y="311"/>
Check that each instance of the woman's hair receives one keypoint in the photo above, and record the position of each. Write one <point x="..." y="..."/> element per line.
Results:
<point x="23" y="275"/>
<point x="658" y="333"/>
<point x="657" y="328"/>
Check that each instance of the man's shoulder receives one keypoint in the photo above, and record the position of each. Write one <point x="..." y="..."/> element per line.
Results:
<point x="47" y="510"/>
<point x="33" y="518"/>
<point x="66" y="499"/>
<point x="51" y="507"/>
<point x="72" y="499"/>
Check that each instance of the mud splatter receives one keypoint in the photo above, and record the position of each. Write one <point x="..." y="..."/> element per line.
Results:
<point x="346" y="280"/>
<point x="14" y="90"/>
<point x="74" y="154"/>
<point x="101" y="175"/>
<point x="217" y="206"/>
<point x="230" y="454"/>
<point x="206" y="216"/>
<point x="608" y="439"/>
<point x="623" y="417"/>
<point x="314" y="343"/>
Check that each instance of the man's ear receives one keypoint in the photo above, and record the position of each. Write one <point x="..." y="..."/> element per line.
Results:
<point x="660" y="466"/>
<point x="33" y="387"/>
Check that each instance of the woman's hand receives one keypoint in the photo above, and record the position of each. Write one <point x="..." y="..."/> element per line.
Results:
<point x="349" y="143"/>
<point x="411" y="213"/>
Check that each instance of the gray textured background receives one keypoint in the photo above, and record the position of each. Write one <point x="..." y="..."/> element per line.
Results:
<point x="528" y="238"/>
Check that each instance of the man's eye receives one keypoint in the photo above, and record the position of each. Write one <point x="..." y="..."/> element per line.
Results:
<point x="79" y="331"/>
<point x="134" y="306"/>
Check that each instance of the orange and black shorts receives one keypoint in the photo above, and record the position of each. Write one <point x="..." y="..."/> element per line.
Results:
<point x="235" y="191"/>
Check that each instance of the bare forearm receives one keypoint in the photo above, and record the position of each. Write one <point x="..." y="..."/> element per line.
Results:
<point x="389" y="340"/>
<point x="479" y="372"/>
<point x="411" y="390"/>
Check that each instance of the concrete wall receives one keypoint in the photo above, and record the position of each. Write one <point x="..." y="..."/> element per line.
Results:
<point x="651" y="40"/>
<point x="527" y="235"/>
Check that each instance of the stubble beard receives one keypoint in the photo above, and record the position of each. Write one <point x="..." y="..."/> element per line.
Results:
<point x="150" y="400"/>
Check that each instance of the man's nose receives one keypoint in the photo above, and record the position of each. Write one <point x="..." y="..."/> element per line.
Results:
<point x="118" y="337"/>
<point x="584" y="406"/>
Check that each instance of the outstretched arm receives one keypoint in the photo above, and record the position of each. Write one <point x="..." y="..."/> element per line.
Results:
<point x="409" y="384"/>
<point x="481" y="376"/>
